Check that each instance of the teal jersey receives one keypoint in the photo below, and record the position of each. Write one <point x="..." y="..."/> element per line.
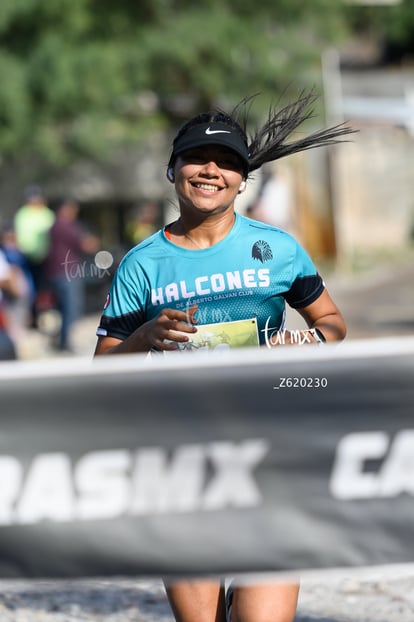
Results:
<point x="251" y="273"/>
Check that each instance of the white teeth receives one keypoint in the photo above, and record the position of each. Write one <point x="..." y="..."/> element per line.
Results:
<point x="208" y="187"/>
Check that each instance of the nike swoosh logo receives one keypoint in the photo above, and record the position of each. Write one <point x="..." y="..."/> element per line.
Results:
<point x="208" y="131"/>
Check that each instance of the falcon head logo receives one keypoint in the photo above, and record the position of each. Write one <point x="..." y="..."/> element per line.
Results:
<point x="262" y="251"/>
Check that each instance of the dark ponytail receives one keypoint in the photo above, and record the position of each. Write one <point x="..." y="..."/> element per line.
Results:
<point x="271" y="141"/>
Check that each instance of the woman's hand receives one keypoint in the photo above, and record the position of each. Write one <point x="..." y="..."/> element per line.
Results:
<point x="162" y="333"/>
<point x="169" y="327"/>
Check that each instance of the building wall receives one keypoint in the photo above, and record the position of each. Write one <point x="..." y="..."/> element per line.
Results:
<point x="374" y="197"/>
<point x="373" y="177"/>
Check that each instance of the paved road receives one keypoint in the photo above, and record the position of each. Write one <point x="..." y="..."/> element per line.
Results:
<point x="377" y="303"/>
<point x="378" y="598"/>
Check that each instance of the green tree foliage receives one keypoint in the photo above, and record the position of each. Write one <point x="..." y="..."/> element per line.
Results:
<point x="390" y="25"/>
<point x="83" y="77"/>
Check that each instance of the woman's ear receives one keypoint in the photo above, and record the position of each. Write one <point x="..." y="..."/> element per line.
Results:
<point x="170" y="174"/>
<point x="242" y="186"/>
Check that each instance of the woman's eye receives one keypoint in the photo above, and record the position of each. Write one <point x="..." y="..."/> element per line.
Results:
<point x="230" y="162"/>
<point x="226" y="161"/>
<point x="194" y="158"/>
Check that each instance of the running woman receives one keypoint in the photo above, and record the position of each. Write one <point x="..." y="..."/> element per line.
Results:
<point x="214" y="265"/>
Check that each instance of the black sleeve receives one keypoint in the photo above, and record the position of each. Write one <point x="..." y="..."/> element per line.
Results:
<point x="120" y="327"/>
<point x="304" y="291"/>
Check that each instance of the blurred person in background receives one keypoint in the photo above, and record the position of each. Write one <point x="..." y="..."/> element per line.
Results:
<point x="144" y="222"/>
<point x="277" y="189"/>
<point x="32" y="223"/>
<point x="7" y="286"/>
<point x="17" y="304"/>
<point x="66" y="268"/>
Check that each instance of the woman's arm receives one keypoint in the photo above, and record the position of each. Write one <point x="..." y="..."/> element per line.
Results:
<point x="324" y="315"/>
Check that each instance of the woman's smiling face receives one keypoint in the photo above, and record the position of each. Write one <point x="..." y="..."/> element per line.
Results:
<point x="208" y="178"/>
